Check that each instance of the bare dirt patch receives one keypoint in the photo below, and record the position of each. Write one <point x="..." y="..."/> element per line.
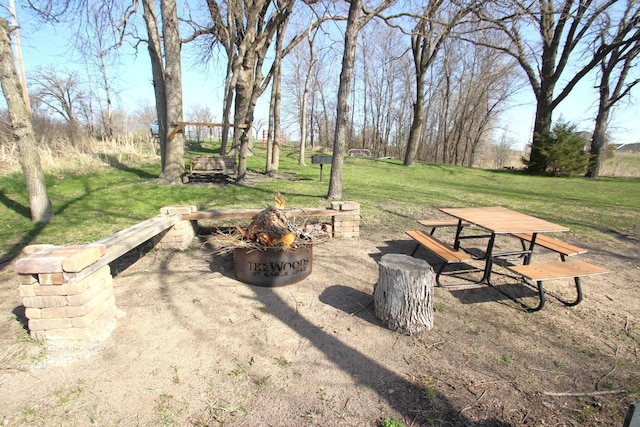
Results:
<point x="196" y="347"/>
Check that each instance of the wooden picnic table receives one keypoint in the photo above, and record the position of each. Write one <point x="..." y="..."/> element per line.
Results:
<point x="500" y="220"/>
<point x="496" y="221"/>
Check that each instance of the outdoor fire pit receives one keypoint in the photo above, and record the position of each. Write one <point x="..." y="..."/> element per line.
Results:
<point x="272" y="251"/>
<point x="272" y="267"/>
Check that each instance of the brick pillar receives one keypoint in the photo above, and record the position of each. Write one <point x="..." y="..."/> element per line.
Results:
<point x="180" y="235"/>
<point x="64" y="298"/>
<point x="347" y="223"/>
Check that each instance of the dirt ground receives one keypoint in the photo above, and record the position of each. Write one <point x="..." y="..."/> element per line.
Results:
<point x="194" y="347"/>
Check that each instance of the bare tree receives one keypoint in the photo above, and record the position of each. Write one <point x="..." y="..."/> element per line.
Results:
<point x="275" y="129"/>
<point x="201" y="114"/>
<point x="303" y="69"/>
<point x="249" y="29"/>
<point x="97" y="41"/>
<point x="304" y="104"/>
<point x="18" y="50"/>
<point x="39" y="202"/>
<point x="62" y="93"/>
<point x="561" y="31"/>
<point x="358" y="17"/>
<point x="173" y="166"/>
<point x="381" y="66"/>
<point x="432" y="29"/>
<point x="164" y="53"/>
<point x="154" y="47"/>
<point x="615" y="82"/>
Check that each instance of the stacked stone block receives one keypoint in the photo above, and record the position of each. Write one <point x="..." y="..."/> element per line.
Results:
<point x="347" y="223"/>
<point x="64" y="298"/>
<point x="180" y="235"/>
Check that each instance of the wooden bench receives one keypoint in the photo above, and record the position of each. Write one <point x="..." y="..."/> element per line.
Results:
<point x="557" y="270"/>
<point x="441" y="250"/>
<point x="564" y="249"/>
<point x="125" y="240"/>
<point x="214" y="166"/>
<point x="436" y="223"/>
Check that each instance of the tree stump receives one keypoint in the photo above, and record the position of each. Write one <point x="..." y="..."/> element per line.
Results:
<point x="403" y="296"/>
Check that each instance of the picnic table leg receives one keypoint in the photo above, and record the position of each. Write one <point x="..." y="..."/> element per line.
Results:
<point x="567" y="303"/>
<point x="578" y="299"/>
<point x="456" y="242"/>
<point x="541" y="297"/>
<point x="527" y="257"/>
<point x="488" y="264"/>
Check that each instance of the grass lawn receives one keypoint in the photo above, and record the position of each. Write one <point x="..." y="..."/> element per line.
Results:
<point x="193" y="347"/>
<point x="91" y="206"/>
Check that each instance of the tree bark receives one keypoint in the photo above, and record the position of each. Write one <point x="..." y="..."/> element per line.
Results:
<point x="342" y="116"/>
<point x="174" y="164"/>
<point x="403" y="296"/>
<point x="157" y="73"/>
<point x="305" y="101"/>
<point x="273" y="161"/>
<point x="39" y="202"/>
<point x="599" y="138"/>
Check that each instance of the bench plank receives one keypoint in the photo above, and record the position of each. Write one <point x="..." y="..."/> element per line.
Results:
<point x="123" y="241"/>
<point x="444" y="252"/>
<point x="563" y="248"/>
<point x="558" y="270"/>
<point x="249" y="213"/>
<point x="438" y="248"/>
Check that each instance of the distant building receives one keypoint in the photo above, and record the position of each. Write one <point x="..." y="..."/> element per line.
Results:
<point x="634" y="148"/>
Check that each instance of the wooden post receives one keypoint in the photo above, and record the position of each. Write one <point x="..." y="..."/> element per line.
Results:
<point x="403" y="296"/>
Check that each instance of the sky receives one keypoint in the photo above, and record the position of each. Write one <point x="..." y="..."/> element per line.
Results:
<point x="42" y="45"/>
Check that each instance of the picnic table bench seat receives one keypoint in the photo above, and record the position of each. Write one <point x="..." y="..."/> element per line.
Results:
<point x="557" y="270"/>
<point x="563" y="248"/>
<point x="441" y="250"/>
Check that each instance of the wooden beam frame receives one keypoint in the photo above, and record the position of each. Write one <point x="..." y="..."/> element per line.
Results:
<point x="181" y="125"/>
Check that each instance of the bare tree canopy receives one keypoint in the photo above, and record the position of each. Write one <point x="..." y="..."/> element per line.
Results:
<point x="615" y="79"/>
<point x="557" y="54"/>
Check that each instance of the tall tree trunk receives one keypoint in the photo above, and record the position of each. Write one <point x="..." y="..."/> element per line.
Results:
<point x="303" y="123"/>
<point x="270" y="135"/>
<point x="598" y="142"/>
<point x="243" y="89"/>
<point x="157" y="69"/>
<point x="542" y="126"/>
<point x="275" y="130"/>
<point x="108" y="121"/>
<point x="174" y="164"/>
<point x="342" y="116"/>
<point x="277" y="97"/>
<point x="39" y="202"/>
<point x="305" y="102"/>
<point x="227" y="103"/>
<point x="416" y="125"/>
